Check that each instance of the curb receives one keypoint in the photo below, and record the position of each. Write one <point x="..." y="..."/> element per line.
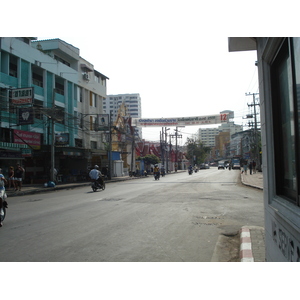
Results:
<point x="249" y="184"/>
<point x="246" y="254"/>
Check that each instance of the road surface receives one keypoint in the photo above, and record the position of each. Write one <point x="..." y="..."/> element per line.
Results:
<point x="180" y="218"/>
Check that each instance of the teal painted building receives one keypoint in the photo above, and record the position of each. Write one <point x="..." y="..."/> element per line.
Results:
<point x="54" y="70"/>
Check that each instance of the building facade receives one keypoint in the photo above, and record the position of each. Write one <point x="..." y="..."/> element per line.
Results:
<point x="133" y="103"/>
<point x="278" y="61"/>
<point x="56" y="125"/>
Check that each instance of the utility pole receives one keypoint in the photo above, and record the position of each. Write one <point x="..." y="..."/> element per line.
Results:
<point x="176" y="146"/>
<point x="254" y="104"/>
<point x="52" y="138"/>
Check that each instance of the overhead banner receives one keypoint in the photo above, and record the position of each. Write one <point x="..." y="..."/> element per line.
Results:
<point x="184" y="121"/>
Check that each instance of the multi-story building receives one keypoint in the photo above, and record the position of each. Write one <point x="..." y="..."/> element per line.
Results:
<point x="208" y="135"/>
<point x="132" y="102"/>
<point x="50" y="100"/>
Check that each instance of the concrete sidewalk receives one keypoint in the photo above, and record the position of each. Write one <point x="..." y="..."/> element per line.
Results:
<point x="254" y="180"/>
<point x="252" y="238"/>
<point x="28" y="189"/>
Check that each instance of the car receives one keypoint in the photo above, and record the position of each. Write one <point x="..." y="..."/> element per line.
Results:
<point x="221" y="166"/>
<point x="202" y="166"/>
<point x="206" y="166"/>
<point x="236" y="166"/>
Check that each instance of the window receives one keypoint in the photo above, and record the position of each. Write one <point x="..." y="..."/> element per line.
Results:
<point x="37" y="79"/>
<point x="80" y="94"/>
<point x="59" y="115"/>
<point x="78" y="143"/>
<point x="93" y="145"/>
<point x="285" y="82"/>
<point x="38" y="105"/>
<point x="93" y="99"/>
<point x="13" y="66"/>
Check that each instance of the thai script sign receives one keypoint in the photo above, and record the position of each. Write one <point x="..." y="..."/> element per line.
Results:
<point x="183" y="121"/>
<point x="22" y="96"/>
<point x="33" y="139"/>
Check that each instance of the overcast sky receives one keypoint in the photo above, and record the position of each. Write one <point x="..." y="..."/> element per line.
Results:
<point x="173" y="53"/>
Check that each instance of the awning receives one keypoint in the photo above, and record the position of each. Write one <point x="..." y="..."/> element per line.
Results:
<point x="86" y="68"/>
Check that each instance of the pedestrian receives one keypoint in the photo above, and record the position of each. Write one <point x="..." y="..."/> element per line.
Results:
<point x="11" y="177"/>
<point x="250" y="167"/>
<point x="19" y="173"/>
<point x="254" y="167"/>
<point x="245" y="167"/>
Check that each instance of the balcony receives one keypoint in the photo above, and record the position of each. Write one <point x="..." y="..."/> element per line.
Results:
<point x="9" y="80"/>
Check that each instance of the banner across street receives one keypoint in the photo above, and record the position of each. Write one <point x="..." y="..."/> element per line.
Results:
<point x="183" y="121"/>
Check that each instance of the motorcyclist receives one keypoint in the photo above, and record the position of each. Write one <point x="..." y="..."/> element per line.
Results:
<point x="163" y="171"/>
<point x="3" y="203"/>
<point x="190" y="169"/>
<point x="156" y="171"/>
<point x="96" y="175"/>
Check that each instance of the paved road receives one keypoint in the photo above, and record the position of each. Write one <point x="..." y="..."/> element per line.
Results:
<point x="179" y="218"/>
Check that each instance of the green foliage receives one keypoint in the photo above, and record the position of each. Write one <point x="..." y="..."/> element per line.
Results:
<point x="149" y="159"/>
<point x="195" y="148"/>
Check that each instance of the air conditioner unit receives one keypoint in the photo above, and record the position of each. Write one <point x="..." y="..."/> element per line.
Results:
<point x="86" y="76"/>
<point x="38" y="63"/>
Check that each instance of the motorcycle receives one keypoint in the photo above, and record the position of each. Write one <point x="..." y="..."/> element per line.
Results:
<point x="156" y="175"/>
<point x="4" y="207"/>
<point x="97" y="186"/>
<point x="190" y="171"/>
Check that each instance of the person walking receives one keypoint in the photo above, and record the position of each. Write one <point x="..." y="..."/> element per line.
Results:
<point x="245" y="167"/>
<point x="254" y="167"/>
<point x="11" y="178"/>
<point x="250" y="167"/>
<point x="19" y="177"/>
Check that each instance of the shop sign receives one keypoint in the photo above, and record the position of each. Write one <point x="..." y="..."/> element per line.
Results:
<point x="10" y="155"/>
<point x="33" y="139"/>
<point x="22" y="96"/>
<point x="26" y="116"/>
<point x="61" y="139"/>
<point x="26" y="152"/>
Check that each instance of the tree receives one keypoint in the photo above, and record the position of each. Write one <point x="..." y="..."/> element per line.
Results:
<point x="149" y="159"/>
<point x="196" y="151"/>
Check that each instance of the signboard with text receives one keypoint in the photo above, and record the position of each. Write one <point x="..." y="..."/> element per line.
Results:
<point x="22" y="96"/>
<point x="33" y="139"/>
<point x="183" y="121"/>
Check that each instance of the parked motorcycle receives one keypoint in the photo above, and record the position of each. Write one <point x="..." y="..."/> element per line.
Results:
<point x="97" y="186"/>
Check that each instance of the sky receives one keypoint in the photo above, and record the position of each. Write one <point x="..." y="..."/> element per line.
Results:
<point x="176" y="74"/>
<point x="173" y="53"/>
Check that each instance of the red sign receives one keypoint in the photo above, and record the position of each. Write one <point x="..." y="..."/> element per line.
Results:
<point x="33" y="139"/>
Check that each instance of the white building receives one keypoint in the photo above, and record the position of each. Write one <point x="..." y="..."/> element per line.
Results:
<point x="207" y="135"/>
<point x="279" y="79"/>
<point x="132" y="102"/>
